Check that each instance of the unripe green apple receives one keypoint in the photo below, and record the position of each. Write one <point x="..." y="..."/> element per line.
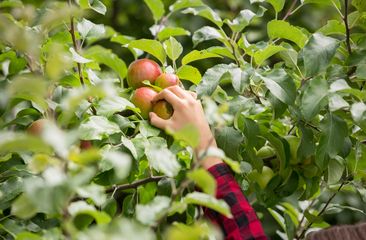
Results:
<point x="142" y="98"/>
<point x="140" y="70"/>
<point x="261" y="178"/>
<point x="167" y="80"/>
<point x="294" y="143"/>
<point x="163" y="109"/>
<point x="37" y="127"/>
<point x="266" y="152"/>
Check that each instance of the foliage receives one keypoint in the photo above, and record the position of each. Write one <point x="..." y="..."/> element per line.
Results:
<point x="285" y="100"/>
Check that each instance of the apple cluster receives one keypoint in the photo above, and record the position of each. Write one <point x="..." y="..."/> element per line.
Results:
<point x="146" y="69"/>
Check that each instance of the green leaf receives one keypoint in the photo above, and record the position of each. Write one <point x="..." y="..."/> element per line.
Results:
<point x="162" y="160"/>
<point x="336" y="102"/>
<point x="198" y="55"/>
<point x="107" y="57"/>
<point x="281" y="85"/>
<point x="333" y="27"/>
<point x="130" y="146"/>
<point x="29" y="87"/>
<point x="318" y="53"/>
<point x="188" y="133"/>
<point x="212" y="77"/>
<point x="282" y="152"/>
<point x="277" y="4"/>
<point x="334" y="131"/>
<point x="263" y="54"/>
<point x="112" y="104"/>
<point x="156" y="7"/>
<point x="207" y="13"/>
<point x="147" y="130"/>
<point x="282" y="29"/>
<point x="11" y="142"/>
<point x="336" y="168"/>
<point x="28" y="236"/>
<point x="290" y="226"/>
<point x="229" y="140"/>
<point x="9" y="189"/>
<point x="209" y="201"/>
<point x="87" y="28"/>
<point x="147" y="192"/>
<point x="241" y="21"/>
<point x="314" y="97"/>
<point x="171" y="32"/>
<point x="278" y="217"/>
<point x="358" y="112"/>
<point x="23" y="208"/>
<point x="192" y="74"/>
<point x="78" y="58"/>
<point x="204" y="34"/>
<point x="11" y="3"/>
<point x="223" y="51"/>
<point x="97" y="128"/>
<point x="241" y="79"/>
<point x="173" y="48"/>
<point x="153" y="47"/>
<point x="96" y="5"/>
<point x="361" y="71"/>
<point x="204" y="180"/>
<point x="181" y="4"/>
<point x="360" y="5"/>
<point x="81" y="208"/>
<point x="323" y="2"/>
<point x="16" y="64"/>
<point x="149" y="213"/>
<point x="85" y="157"/>
<point x="94" y="192"/>
<point x="118" y="161"/>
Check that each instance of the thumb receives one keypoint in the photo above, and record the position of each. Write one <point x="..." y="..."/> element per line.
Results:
<point x="157" y="121"/>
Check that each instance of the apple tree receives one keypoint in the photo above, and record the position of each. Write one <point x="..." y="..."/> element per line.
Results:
<point x="79" y="159"/>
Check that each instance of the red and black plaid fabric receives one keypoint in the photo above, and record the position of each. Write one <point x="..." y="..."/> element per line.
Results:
<point x="244" y="224"/>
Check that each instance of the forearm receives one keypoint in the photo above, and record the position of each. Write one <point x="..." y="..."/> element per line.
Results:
<point x="244" y="224"/>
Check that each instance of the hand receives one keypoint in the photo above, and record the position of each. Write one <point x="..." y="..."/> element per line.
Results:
<point x="187" y="110"/>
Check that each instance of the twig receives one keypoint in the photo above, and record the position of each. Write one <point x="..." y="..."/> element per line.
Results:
<point x="135" y="184"/>
<point x="252" y="92"/>
<point x="290" y="10"/>
<point x="303" y="217"/>
<point x="348" y="35"/>
<point x="76" y="47"/>
<point x="323" y="209"/>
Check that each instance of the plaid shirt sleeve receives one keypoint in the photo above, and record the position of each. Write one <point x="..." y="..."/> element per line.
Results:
<point x="244" y="224"/>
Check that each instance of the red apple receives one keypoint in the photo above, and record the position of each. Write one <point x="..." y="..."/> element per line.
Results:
<point x="142" y="98"/>
<point x="37" y="127"/>
<point x="140" y="70"/>
<point x="163" y="109"/>
<point x="85" y="144"/>
<point x="166" y="80"/>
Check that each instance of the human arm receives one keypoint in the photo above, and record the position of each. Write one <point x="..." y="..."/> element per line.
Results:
<point x="188" y="110"/>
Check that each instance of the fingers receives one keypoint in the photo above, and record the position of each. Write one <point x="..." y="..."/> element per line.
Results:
<point x="193" y="94"/>
<point x="157" y="121"/>
<point x="178" y="91"/>
<point x="169" y="96"/>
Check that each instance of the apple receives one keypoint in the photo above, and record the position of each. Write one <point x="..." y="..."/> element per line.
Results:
<point x="163" y="109"/>
<point x="262" y="178"/>
<point x="37" y="127"/>
<point x="167" y="80"/>
<point x="266" y="152"/>
<point x="140" y="70"/>
<point x="142" y="98"/>
<point x="294" y="143"/>
<point x="85" y="144"/>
